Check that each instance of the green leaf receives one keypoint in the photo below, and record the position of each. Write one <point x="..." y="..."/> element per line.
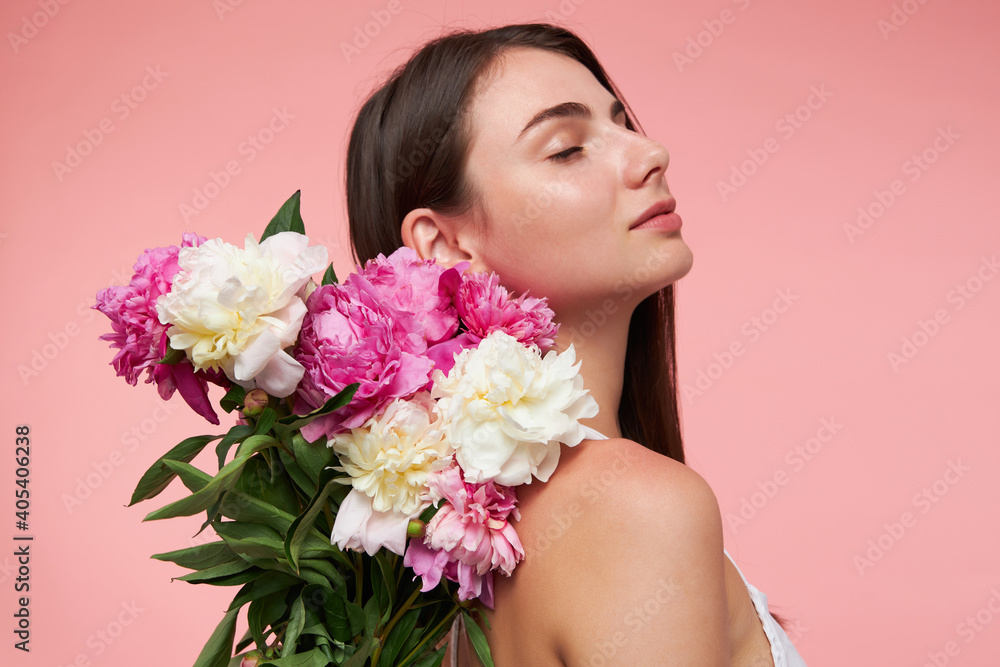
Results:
<point x="329" y="277"/>
<point x="267" y="611"/>
<point x="250" y="539"/>
<point x="429" y="513"/>
<point x="265" y="421"/>
<point x="265" y="585"/>
<point x="200" y="557"/>
<point x="296" y="473"/>
<point x="173" y="356"/>
<point x="313" y="457"/>
<point x="314" y="658"/>
<point x="191" y="477"/>
<point x="158" y="476"/>
<point x="240" y="506"/>
<point x="380" y="587"/>
<point x="327" y="569"/>
<point x="219" y="648"/>
<point x="223" y="481"/>
<point x="254" y="444"/>
<point x="368" y="644"/>
<point x="432" y="660"/>
<point x="299" y="530"/>
<point x="344" y="618"/>
<point x="372" y="615"/>
<point x="269" y="483"/>
<point x="233" y="398"/>
<point x="237" y="433"/>
<point x="224" y="574"/>
<point x="342" y="398"/>
<point x="400" y="633"/>
<point x="478" y="640"/>
<point x="287" y="219"/>
<point x="296" y="622"/>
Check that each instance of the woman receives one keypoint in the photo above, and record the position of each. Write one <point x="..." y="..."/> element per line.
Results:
<point x="511" y="149"/>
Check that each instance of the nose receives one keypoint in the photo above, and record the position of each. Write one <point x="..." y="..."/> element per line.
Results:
<point x="646" y="161"/>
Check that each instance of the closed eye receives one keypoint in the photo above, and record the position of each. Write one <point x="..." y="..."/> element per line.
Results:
<point x="566" y="154"/>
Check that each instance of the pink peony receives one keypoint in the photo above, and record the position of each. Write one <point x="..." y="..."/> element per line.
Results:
<point x="140" y="337"/>
<point x="485" y="307"/>
<point x="469" y="537"/>
<point x="419" y="290"/>
<point x="349" y="335"/>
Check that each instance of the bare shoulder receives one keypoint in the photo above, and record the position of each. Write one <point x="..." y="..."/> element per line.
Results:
<point x="623" y="561"/>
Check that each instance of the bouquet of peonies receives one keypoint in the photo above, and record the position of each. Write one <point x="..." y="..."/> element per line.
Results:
<point x="383" y="427"/>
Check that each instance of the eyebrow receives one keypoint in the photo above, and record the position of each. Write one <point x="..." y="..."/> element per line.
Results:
<point x="568" y="110"/>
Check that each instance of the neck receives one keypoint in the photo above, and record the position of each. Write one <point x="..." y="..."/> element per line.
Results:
<point x="601" y="349"/>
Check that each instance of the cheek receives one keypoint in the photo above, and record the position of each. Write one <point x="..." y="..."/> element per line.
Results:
<point x="550" y="236"/>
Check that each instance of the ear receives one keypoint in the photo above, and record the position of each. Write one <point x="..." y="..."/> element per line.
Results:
<point x="434" y="236"/>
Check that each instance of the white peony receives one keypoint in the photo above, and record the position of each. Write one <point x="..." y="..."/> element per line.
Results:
<point x="507" y="409"/>
<point x="389" y="458"/>
<point x="361" y="528"/>
<point x="388" y="461"/>
<point x="238" y="308"/>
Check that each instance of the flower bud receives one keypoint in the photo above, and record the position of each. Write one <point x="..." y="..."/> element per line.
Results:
<point x="415" y="528"/>
<point x="252" y="659"/>
<point x="254" y="402"/>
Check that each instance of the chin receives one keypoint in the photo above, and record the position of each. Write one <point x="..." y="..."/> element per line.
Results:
<point x="667" y="264"/>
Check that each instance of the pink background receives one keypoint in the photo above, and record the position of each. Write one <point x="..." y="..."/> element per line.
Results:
<point x="98" y="599"/>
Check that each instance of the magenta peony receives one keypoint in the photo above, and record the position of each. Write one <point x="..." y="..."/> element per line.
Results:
<point x="349" y="335"/>
<point x="469" y="537"/>
<point x="140" y="337"/>
<point x="419" y="290"/>
<point x="485" y="306"/>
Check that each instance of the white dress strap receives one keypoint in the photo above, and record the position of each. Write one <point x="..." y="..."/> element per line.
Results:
<point x="783" y="651"/>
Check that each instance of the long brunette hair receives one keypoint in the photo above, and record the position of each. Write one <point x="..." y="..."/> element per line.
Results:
<point x="407" y="150"/>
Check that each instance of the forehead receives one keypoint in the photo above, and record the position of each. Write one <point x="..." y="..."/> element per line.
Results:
<point x="524" y="81"/>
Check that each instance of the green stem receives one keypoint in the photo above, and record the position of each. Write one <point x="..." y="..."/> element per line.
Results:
<point x="402" y="610"/>
<point x="416" y="649"/>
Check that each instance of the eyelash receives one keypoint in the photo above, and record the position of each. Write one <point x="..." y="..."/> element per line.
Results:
<point x="566" y="154"/>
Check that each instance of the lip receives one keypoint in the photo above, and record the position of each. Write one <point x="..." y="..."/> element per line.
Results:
<point x="660" y="215"/>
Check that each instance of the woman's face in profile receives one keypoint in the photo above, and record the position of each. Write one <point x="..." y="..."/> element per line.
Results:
<point x="561" y="190"/>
